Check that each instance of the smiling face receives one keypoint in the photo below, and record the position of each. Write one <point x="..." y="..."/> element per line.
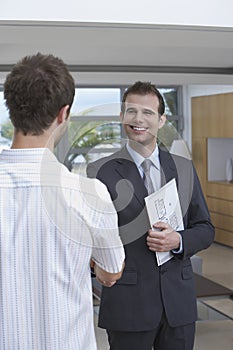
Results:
<point x="142" y="121"/>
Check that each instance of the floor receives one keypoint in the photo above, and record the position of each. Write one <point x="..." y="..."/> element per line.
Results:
<point x="214" y="329"/>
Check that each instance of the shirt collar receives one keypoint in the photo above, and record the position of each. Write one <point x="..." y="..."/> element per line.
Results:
<point x="138" y="158"/>
<point x="27" y="155"/>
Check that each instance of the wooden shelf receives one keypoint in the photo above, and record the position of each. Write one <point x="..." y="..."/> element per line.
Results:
<point x="223" y="182"/>
<point x="212" y="118"/>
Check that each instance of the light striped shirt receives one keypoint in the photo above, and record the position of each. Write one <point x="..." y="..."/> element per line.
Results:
<point x="52" y="223"/>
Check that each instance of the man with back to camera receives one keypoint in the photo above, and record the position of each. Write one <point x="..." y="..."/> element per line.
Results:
<point x="53" y="223"/>
<point x="151" y="306"/>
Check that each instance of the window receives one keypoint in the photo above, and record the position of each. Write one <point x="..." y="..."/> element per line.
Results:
<point x="95" y="129"/>
<point x="6" y="128"/>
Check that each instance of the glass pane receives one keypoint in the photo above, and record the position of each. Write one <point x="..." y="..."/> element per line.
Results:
<point x="90" y="141"/>
<point x="93" y="138"/>
<point x="5" y="125"/>
<point x="96" y="101"/>
<point x="170" y="99"/>
<point x="168" y="133"/>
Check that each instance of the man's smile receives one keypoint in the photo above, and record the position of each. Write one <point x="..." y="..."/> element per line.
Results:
<point x="138" y="128"/>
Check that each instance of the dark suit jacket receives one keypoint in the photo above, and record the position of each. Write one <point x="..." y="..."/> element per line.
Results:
<point x="136" y="301"/>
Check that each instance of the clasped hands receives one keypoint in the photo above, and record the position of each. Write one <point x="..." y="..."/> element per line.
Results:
<point x="162" y="238"/>
<point x="105" y="278"/>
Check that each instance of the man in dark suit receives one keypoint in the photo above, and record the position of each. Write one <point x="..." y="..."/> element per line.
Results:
<point x="151" y="305"/>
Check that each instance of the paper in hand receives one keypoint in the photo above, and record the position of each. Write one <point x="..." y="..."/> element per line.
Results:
<point x="164" y="205"/>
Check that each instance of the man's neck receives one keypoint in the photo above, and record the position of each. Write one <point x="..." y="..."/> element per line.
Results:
<point x="32" y="141"/>
<point x="144" y="151"/>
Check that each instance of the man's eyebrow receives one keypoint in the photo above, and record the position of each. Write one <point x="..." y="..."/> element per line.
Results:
<point x="148" y="110"/>
<point x="131" y="107"/>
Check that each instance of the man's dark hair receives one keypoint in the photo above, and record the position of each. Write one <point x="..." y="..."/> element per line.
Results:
<point x="35" y="90"/>
<point x="143" y="88"/>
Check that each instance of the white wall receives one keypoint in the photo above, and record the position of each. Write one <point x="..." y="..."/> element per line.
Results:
<point x="220" y="150"/>
<point x="198" y="12"/>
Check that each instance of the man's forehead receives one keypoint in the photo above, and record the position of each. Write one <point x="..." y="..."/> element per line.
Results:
<point x="140" y="106"/>
<point x="148" y="100"/>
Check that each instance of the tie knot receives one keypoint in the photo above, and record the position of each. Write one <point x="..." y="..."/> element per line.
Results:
<point x="146" y="164"/>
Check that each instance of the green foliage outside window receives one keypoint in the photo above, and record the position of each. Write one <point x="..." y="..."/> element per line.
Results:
<point x="7" y="130"/>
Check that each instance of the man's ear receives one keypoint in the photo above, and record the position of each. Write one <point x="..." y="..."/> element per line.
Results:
<point x="121" y="116"/>
<point x="63" y="114"/>
<point x="162" y="121"/>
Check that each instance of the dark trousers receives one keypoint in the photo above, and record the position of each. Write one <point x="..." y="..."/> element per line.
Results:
<point x="162" y="337"/>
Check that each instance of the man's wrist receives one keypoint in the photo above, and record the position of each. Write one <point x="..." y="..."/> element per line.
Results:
<point x="179" y="250"/>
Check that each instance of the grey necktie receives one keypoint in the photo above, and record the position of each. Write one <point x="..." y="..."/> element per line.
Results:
<point x="146" y="164"/>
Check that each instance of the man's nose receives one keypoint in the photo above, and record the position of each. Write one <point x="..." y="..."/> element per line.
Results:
<point x="138" y="116"/>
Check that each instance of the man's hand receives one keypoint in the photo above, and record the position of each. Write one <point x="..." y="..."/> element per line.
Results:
<point x="107" y="279"/>
<point x="162" y="238"/>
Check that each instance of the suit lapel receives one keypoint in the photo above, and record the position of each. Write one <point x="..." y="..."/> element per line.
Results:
<point x="127" y="169"/>
<point x="168" y="167"/>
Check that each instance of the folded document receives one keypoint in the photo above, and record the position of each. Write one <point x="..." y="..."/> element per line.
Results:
<point x="164" y="205"/>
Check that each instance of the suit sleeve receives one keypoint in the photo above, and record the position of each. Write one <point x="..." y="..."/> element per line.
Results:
<point x="199" y="231"/>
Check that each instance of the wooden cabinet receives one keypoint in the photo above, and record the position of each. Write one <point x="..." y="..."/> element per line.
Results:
<point x="212" y="117"/>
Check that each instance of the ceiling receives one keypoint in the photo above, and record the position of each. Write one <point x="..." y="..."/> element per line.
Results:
<point x="120" y="48"/>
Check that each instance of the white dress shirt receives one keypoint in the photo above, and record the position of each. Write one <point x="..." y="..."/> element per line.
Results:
<point x="52" y="223"/>
<point x="155" y="172"/>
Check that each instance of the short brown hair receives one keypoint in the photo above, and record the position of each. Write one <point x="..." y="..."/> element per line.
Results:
<point x="35" y="90"/>
<point x="144" y="88"/>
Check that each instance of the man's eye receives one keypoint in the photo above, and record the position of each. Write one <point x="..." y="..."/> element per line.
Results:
<point x="131" y="111"/>
<point x="148" y="113"/>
